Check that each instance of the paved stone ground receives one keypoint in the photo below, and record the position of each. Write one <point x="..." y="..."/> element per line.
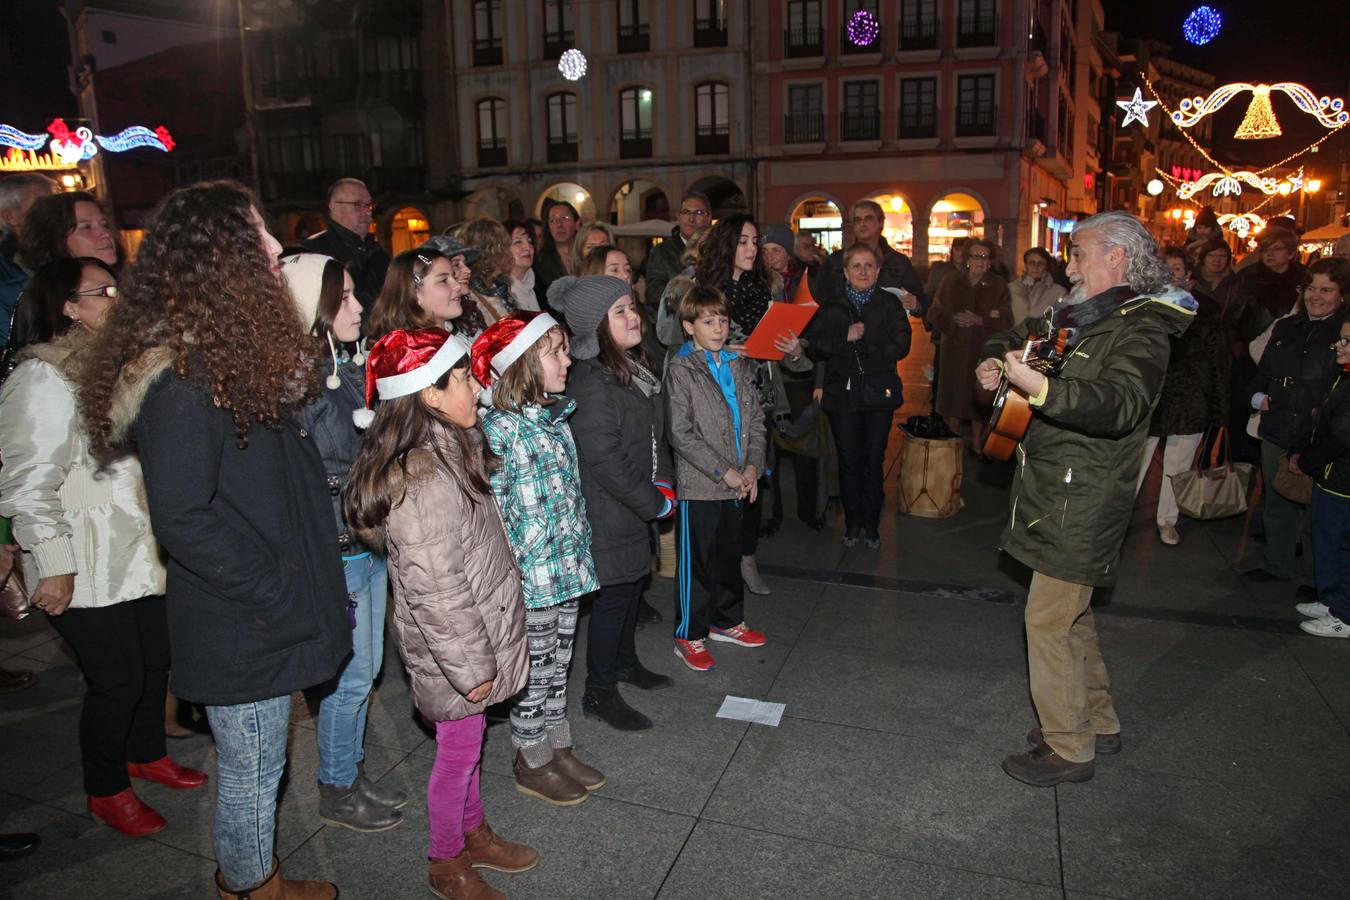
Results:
<point x="904" y="676"/>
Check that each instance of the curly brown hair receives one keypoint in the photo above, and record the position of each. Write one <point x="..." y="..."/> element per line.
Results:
<point x="204" y="287"/>
<point x="493" y="243"/>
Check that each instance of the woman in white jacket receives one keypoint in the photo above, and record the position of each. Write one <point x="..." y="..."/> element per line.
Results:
<point x="87" y="544"/>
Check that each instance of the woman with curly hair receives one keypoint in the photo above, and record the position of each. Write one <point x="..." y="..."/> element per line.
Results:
<point x="489" y="274"/>
<point x="204" y="366"/>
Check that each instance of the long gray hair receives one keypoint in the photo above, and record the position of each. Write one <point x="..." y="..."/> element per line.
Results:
<point x="1145" y="269"/>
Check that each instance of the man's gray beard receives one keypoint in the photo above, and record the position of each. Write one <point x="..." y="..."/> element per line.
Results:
<point x="1077" y="294"/>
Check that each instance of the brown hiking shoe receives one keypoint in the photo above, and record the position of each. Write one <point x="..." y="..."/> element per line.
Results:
<point x="275" y="887"/>
<point x="548" y="783"/>
<point x="487" y="850"/>
<point x="454" y="879"/>
<point x="1043" y="767"/>
<point x="1107" y="744"/>
<point x="584" y="775"/>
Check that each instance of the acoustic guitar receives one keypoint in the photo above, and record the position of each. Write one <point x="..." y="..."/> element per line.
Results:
<point x="1011" y="415"/>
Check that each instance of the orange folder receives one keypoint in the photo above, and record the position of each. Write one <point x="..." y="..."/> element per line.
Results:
<point x="778" y="320"/>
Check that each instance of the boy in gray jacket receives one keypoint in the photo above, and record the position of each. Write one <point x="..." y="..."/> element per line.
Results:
<point x="716" y="427"/>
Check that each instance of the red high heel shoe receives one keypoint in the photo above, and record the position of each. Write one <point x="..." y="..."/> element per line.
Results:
<point x="125" y="812"/>
<point x="168" y="773"/>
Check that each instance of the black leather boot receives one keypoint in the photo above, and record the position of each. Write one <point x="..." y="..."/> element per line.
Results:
<point x="610" y="708"/>
<point x="639" y="676"/>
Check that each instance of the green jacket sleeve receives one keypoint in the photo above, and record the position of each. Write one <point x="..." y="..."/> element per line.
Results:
<point x="1112" y="404"/>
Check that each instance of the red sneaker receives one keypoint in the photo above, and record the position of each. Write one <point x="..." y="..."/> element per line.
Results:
<point x="738" y="634"/>
<point x="693" y="655"/>
<point x="125" y="812"/>
<point x="168" y="773"/>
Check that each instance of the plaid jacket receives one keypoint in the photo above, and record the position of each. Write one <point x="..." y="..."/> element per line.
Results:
<point x="538" y="488"/>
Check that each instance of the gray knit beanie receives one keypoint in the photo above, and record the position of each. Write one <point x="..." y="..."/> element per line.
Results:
<point x="780" y="235"/>
<point x="584" y="303"/>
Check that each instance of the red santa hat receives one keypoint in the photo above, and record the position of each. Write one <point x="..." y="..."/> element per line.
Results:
<point x="505" y="341"/>
<point x="404" y="362"/>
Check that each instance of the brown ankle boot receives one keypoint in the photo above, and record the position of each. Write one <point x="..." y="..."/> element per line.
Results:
<point x="275" y="887"/>
<point x="548" y="783"/>
<point x="454" y="879"/>
<point x="487" y="850"/>
<point x="584" y="775"/>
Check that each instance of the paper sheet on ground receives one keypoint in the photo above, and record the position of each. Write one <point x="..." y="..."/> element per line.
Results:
<point x="744" y="709"/>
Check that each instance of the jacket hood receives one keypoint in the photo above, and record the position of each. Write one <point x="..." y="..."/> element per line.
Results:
<point x="61" y="352"/>
<point x="132" y="387"/>
<point x="1176" y="304"/>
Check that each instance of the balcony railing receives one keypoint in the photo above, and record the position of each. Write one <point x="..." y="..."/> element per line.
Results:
<point x="555" y="42"/>
<point x="487" y="51"/>
<point x="980" y="30"/>
<point x="635" y="144"/>
<point x="973" y="120"/>
<point x="846" y="46"/>
<point x="804" y="128"/>
<point x="711" y="140"/>
<point x="803" y="42"/>
<point x="560" y="151"/>
<point x="710" y="32"/>
<point x="862" y="125"/>
<point x="918" y="34"/>
<point x="635" y="38"/>
<point x="491" y="155"/>
<point x="917" y="123"/>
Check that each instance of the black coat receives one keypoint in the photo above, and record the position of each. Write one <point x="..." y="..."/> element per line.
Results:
<point x="1326" y="454"/>
<point x="361" y="254"/>
<point x="256" y="594"/>
<point x="885" y="342"/>
<point x="1194" y="394"/>
<point x="1258" y="297"/>
<point x="1295" y="372"/>
<point x="621" y="437"/>
<point x="328" y="419"/>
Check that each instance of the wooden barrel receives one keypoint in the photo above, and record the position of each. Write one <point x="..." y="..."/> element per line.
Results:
<point x="930" y="476"/>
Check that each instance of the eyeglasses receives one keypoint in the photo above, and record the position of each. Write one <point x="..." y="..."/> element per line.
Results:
<point x="103" y="290"/>
<point x="559" y="220"/>
<point x="1342" y="341"/>
<point x="694" y="213"/>
<point x="364" y="205"/>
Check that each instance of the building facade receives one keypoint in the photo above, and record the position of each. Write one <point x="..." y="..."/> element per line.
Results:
<point x="961" y="117"/>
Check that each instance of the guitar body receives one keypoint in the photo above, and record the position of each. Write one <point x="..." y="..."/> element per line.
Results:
<point x="1008" y="423"/>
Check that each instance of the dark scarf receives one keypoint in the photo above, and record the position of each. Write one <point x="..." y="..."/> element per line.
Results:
<point x="749" y="300"/>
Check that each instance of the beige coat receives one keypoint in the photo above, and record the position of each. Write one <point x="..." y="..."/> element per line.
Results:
<point x="68" y="517"/>
<point x="1032" y="298"/>
<point x="458" y="612"/>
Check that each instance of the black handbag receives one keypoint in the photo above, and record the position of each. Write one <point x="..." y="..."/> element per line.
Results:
<point x="878" y="390"/>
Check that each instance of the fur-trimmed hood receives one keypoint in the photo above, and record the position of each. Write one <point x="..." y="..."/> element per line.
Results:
<point x="132" y="387"/>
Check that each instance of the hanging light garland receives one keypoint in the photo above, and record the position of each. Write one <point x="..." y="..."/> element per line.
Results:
<point x="1260" y="119"/>
<point x="69" y="147"/>
<point x="572" y="64"/>
<point x="1226" y="184"/>
<point x="863" y="28"/>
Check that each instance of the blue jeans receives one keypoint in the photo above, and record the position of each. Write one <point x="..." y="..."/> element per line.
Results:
<point x="342" y="711"/>
<point x="1331" y="551"/>
<point x="251" y="750"/>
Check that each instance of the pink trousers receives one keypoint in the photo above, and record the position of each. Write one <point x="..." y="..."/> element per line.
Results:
<point x="454" y="804"/>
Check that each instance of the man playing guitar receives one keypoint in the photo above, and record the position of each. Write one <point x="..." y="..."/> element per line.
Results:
<point x="1076" y="467"/>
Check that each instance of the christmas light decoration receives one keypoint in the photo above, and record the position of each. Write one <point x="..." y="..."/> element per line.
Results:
<point x="1202" y="25"/>
<point x="863" y="28"/>
<point x="572" y="64"/>
<point x="1242" y="224"/>
<point x="1260" y="121"/>
<point x="67" y="148"/>
<point x="1155" y="187"/>
<point x="1226" y="184"/>
<point x="1136" y="109"/>
<point x="1329" y="111"/>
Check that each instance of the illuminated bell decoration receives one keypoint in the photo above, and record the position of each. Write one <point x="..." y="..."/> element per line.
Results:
<point x="863" y="28"/>
<point x="1155" y="187"/>
<point x="572" y="64"/>
<point x="1259" y="122"/>
<point x="1202" y="25"/>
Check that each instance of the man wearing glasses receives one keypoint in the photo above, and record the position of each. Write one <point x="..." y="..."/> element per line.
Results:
<point x="348" y="240"/>
<point x="663" y="263"/>
<point x="896" y="270"/>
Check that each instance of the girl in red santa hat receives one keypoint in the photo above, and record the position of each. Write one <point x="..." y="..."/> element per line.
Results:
<point x="419" y="488"/>
<point x="523" y="358"/>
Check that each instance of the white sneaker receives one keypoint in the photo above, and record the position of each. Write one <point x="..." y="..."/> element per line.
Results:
<point x="1327" y="626"/>
<point x="754" y="582"/>
<point x="1313" y="609"/>
<point x="1168" y="534"/>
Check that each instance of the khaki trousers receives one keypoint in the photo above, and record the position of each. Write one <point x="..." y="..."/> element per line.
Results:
<point x="1069" y="684"/>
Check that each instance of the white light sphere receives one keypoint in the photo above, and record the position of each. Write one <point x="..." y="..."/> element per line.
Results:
<point x="572" y="64"/>
<point x="1155" y="187"/>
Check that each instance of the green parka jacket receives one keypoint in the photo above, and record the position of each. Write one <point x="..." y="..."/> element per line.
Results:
<point x="1076" y="468"/>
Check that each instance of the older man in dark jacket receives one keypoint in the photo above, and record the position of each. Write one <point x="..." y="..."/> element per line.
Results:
<point x="1074" y="488"/>
<point x="896" y="269"/>
<point x="348" y="240"/>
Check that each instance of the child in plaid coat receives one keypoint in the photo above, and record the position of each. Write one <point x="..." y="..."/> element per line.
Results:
<point x="523" y="357"/>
